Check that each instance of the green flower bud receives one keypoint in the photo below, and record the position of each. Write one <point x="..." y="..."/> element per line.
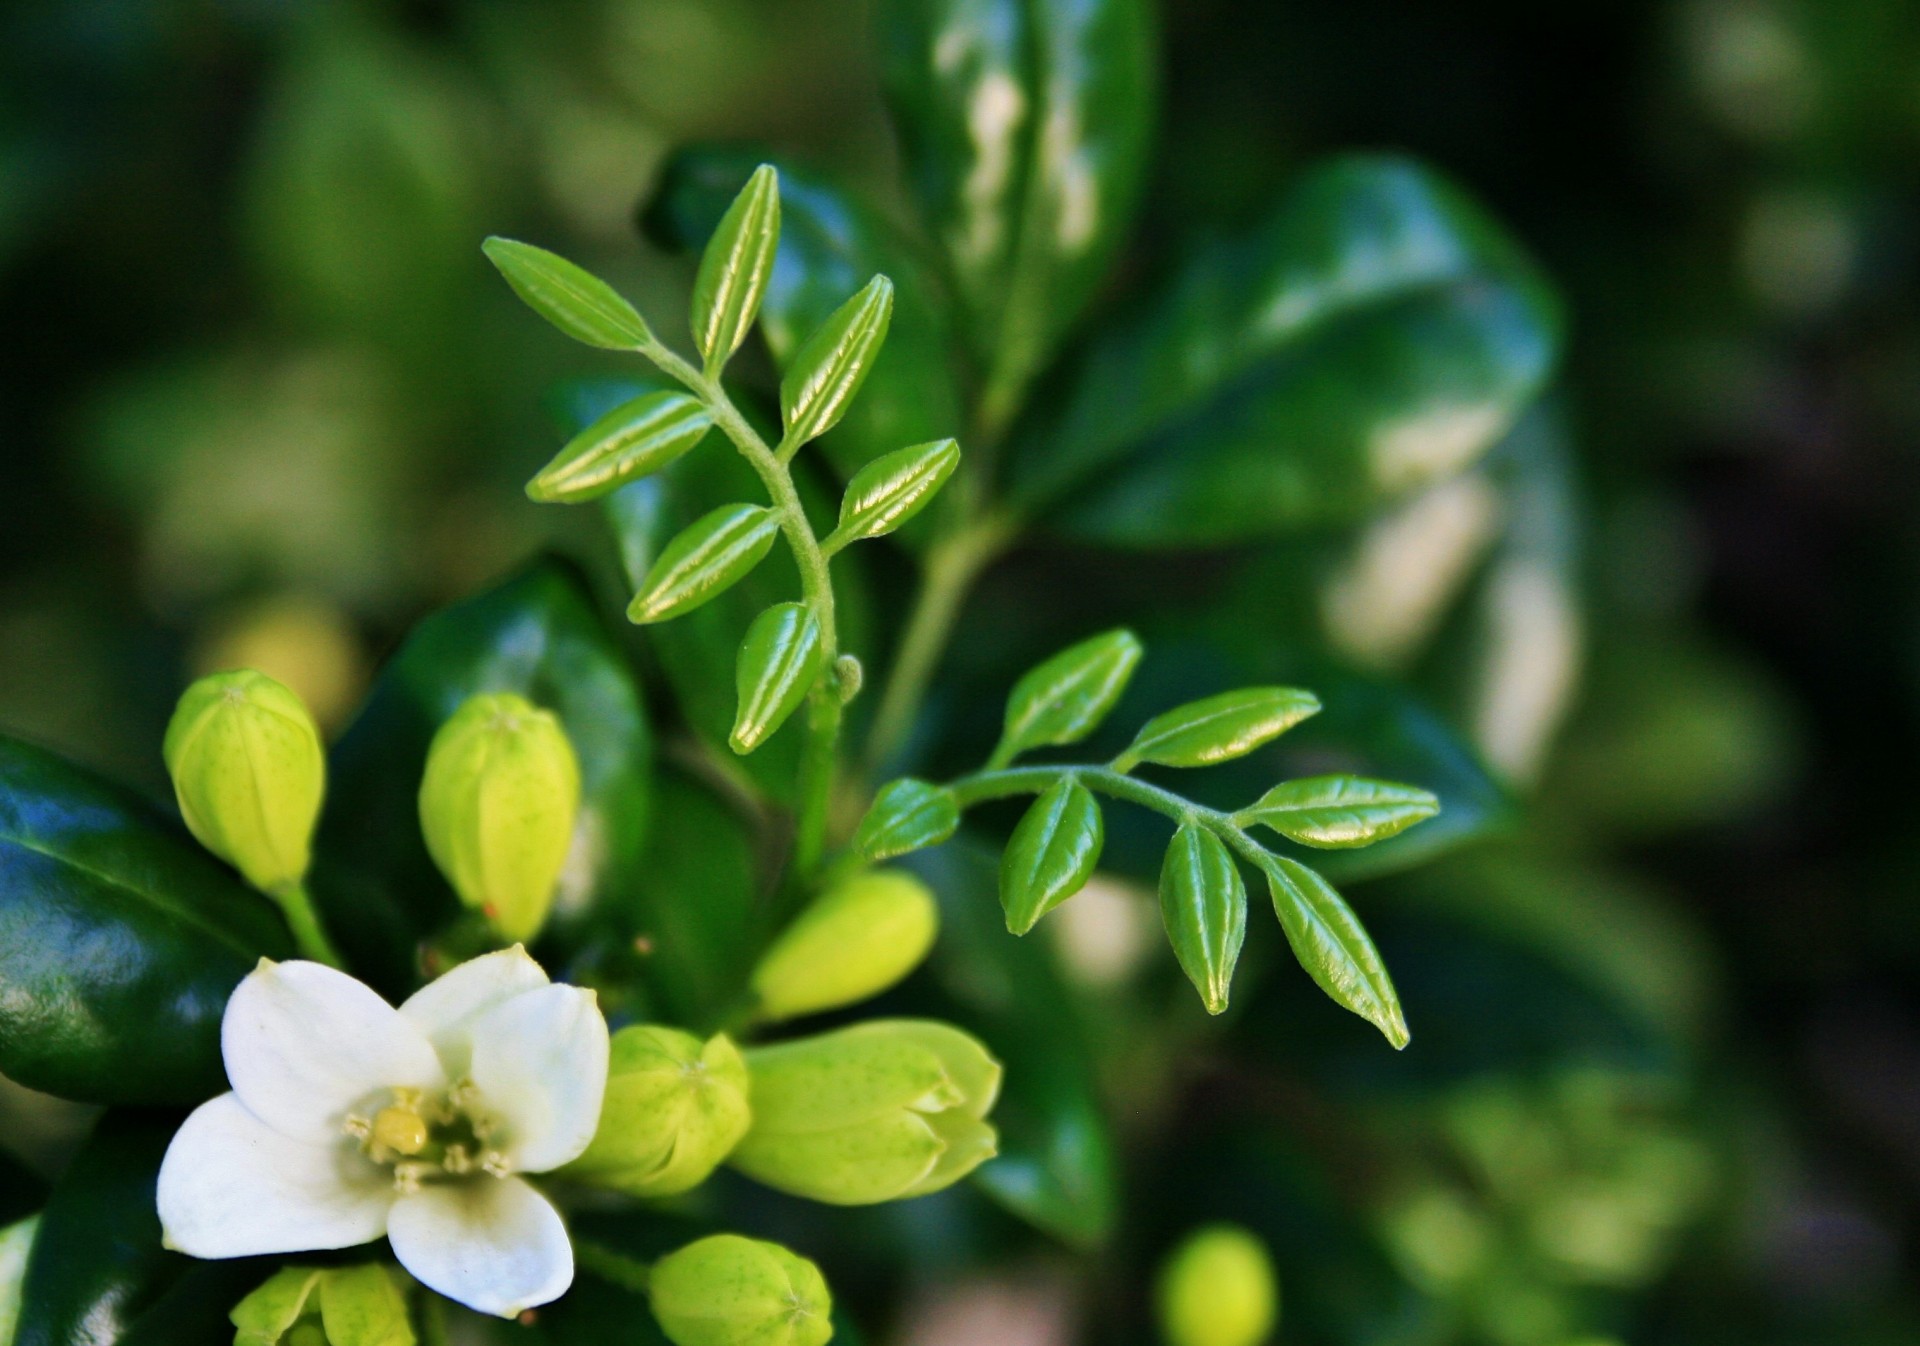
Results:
<point x="1218" y="1289"/>
<point x="855" y="941"/>
<point x="732" y="1291"/>
<point x="880" y="1111"/>
<point x="497" y="806"/>
<point x="249" y="772"/>
<point x="674" y="1110"/>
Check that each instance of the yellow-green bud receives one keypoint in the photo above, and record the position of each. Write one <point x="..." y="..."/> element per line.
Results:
<point x="249" y="772"/>
<point x="674" y="1109"/>
<point x="732" y="1291"/>
<point x="1218" y="1289"/>
<point x="880" y="1111"/>
<point x="497" y="806"/>
<point x="856" y="940"/>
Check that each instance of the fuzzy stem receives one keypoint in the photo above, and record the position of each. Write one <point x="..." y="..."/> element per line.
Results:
<point x="816" y="590"/>
<point x="308" y="934"/>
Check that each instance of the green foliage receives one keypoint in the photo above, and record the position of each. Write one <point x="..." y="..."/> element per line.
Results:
<point x="704" y="560"/>
<point x="1218" y="728"/>
<point x="634" y="440"/>
<point x="1051" y="854"/>
<point x="830" y="365"/>
<point x="906" y="815"/>
<point x="890" y="490"/>
<point x="734" y="269"/>
<point x="779" y="660"/>
<point x="582" y="305"/>
<point x="1066" y="698"/>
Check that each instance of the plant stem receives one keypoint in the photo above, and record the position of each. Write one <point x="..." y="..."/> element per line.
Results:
<point x="308" y="934"/>
<point x="952" y="566"/>
<point x="816" y="589"/>
<point x="1000" y="783"/>
<point x="629" y="1273"/>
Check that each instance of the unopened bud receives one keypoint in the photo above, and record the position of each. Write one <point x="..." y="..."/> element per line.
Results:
<point x="249" y="772"/>
<point x="732" y="1291"/>
<point x="674" y="1109"/>
<point x="883" y="1110"/>
<point x="497" y="807"/>
<point x="856" y="940"/>
<point x="1218" y="1289"/>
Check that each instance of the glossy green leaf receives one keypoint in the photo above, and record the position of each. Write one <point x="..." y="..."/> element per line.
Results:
<point x="364" y="1306"/>
<point x="709" y="556"/>
<point x="831" y="241"/>
<point x="1064" y="699"/>
<point x="1051" y="854"/>
<point x="120" y="940"/>
<point x="1025" y="129"/>
<point x="97" y="1272"/>
<point x="907" y="815"/>
<point x="576" y="301"/>
<point x="536" y="635"/>
<point x="1337" y="812"/>
<point x="631" y="441"/>
<point x="1218" y="728"/>
<point x="270" y="1311"/>
<point x="825" y="374"/>
<point x="1333" y="946"/>
<point x="1376" y="334"/>
<point x="1203" y="904"/>
<point x="779" y="661"/>
<point x="892" y="489"/>
<point x="734" y="268"/>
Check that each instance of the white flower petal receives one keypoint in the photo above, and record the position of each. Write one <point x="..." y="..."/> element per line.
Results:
<point x="540" y="1064"/>
<point x="232" y="1186"/>
<point x="304" y="1044"/>
<point x="444" y="1009"/>
<point x="494" y="1244"/>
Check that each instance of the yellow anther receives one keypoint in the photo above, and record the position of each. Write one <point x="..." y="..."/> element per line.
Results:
<point x="400" y="1129"/>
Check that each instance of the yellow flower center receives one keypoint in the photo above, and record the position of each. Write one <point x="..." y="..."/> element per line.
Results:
<point x="431" y="1138"/>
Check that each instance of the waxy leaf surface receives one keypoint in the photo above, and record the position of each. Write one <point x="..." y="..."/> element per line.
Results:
<point x="1333" y="946"/>
<point x="576" y="301"/>
<point x="1051" y="854"/>
<point x="1065" y="698"/>
<point x="1203" y="904"/>
<point x="1337" y="812"/>
<point x="732" y="279"/>
<point x="1218" y="728"/>
<point x="906" y="815"/>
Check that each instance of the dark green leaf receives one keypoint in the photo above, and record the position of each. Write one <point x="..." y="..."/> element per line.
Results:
<point x="97" y="1272"/>
<point x="831" y="241"/>
<point x="892" y="489"/>
<point x="1203" y="904"/>
<point x="1333" y="946"/>
<point x="907" y="815"/>
<point x="1376" y="335"/>
<point x="1218" y="728"/>
<point x="1064" y="699"/>
<point x="1337" y="812"/>
<point x="779" y="661"/>
<point x="825" y="374"/>
<point x="120" y="940"/>
<point x="536" y="635"/>
<point x="710" y="555"/>
<point x="1025" y="129"/>
<point x="579" y="303"/>
<point x="629" y="442"/>
<point x="735" y="267"/>
<point x="1052" y="853"/>
<point x="1056" y="1167"/>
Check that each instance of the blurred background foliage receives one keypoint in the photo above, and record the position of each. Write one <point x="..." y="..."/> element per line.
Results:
<point x="263" y="402"/>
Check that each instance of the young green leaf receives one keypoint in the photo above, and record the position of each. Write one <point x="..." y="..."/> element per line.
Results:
<point x="892" y="489"/>
<point x="711" y="553"/>
<point x="779" y="660"/>
<point x="270" y="1311"/>
<point x="1339" y="812"/>
<point x="907" y="815"/>
<point x="734" y="269"/>
<point x="1051" y="854"/>
<point x="1333" y="946"/>
<point x="363" y="1306"/>
<point x="1203" y="904"/>
<point x="576" y="301"/>
<point x="830" y="365"/>
<point x="1218" y="728"/>
<point x="1064" y="699"/>
<point x="633" y="440"/>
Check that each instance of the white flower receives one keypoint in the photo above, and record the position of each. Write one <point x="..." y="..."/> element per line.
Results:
<point x="350" y="1119"/>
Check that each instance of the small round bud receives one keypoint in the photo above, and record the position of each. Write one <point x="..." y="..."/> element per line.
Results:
<point x="857" y="939"/>
<point x="732" y="1291"/>
<point x="848" y="677"/>
<point x="249" y="772"/>
<point x="497" y="807"/>
<point x="884" y="1110"/>
<point x="1218" y="1289"/>
<point x="674" y="1109"/>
